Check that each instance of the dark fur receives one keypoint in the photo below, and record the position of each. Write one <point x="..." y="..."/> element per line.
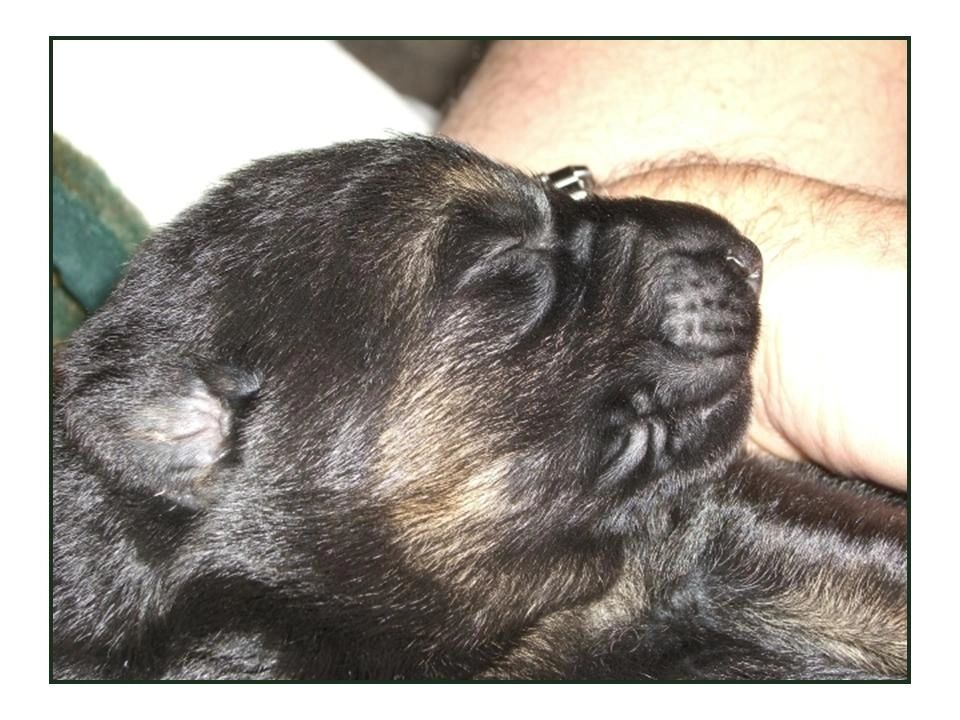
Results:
<point x="392" y="410"/>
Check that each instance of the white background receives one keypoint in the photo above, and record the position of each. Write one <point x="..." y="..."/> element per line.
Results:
<point x="167" y="118"/>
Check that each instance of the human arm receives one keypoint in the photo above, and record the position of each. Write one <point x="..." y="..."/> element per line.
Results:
<point x="834" y="110"/>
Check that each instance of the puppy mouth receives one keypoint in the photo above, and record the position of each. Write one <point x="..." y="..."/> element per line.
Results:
<point x="696" y="396"/>
<point x="677" y="420"/>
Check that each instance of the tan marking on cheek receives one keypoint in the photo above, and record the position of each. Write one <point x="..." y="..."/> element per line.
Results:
<point x="484" y="494"/>
<point x="427" y="435"/>
<point x="449" y="533"/>
<point x="441" y="483"/>
<point x="427" y="440"/>
<point x="450" y="502"/>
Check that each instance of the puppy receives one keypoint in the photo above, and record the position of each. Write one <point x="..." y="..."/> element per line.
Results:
<point x="391" y="410"/>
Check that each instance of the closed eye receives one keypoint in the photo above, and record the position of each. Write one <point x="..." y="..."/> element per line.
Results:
<point x="512" y="290"/>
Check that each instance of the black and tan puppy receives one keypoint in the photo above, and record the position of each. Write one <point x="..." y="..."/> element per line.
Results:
<point x="392" y="410"/>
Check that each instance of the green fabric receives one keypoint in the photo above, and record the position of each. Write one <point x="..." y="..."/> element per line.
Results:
<point x="95" y="231"/>
<point x="86" y="253"/>
<point x="66" y="312"/>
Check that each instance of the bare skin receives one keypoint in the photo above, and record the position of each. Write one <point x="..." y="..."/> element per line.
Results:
<point x="743" y="128"/>
<point x="831" y="110"/>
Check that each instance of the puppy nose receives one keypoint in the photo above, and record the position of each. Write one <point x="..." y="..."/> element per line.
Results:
<point x="746" y="257"/>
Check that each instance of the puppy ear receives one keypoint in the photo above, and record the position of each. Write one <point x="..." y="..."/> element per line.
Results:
<point x="168" y="429"/>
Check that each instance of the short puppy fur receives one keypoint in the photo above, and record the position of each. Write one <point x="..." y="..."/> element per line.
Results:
<point x="391" y="410"/>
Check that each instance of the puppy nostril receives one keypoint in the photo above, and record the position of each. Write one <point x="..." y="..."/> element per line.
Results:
<point x="749" y="263"/>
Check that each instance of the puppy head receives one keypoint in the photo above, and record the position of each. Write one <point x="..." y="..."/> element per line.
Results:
<point x="414" y="380"/>
<point x="576" y="357"/>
